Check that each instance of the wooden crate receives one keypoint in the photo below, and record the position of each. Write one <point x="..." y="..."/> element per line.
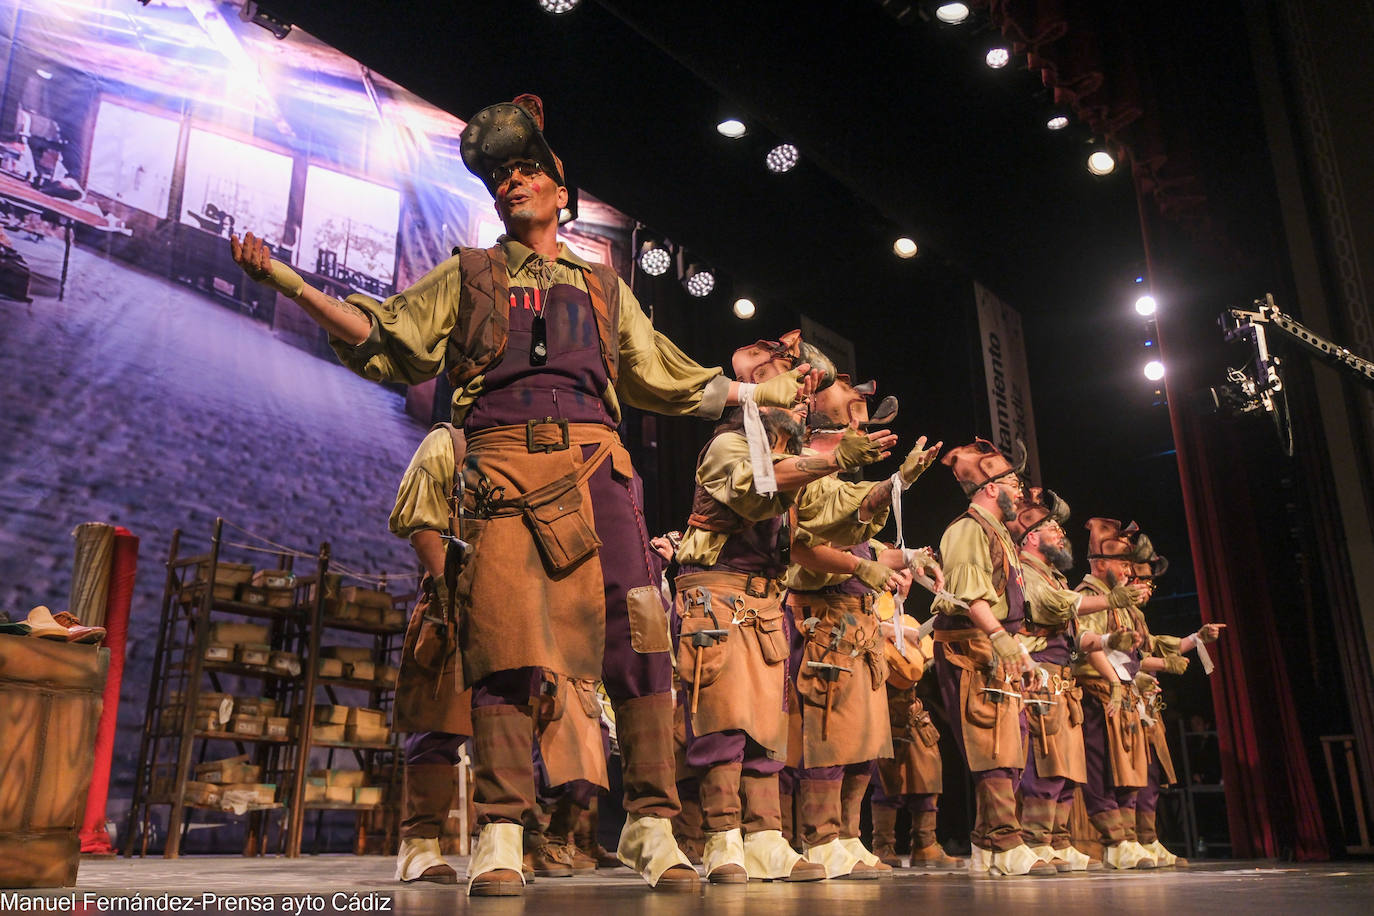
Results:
<point x="347" y="653"/>
<point x="50" y="703"/>
<point x="330" y="667"/>
<point x="361" y="671"/>
<point x="273" y="578"/>
<point x="253" y="654"/>
<point x="226" y="573"/>
<point x="233" y="632"/>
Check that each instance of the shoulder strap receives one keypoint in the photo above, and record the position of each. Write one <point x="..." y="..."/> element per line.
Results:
<point x="603" y="287"/>
<point x="1001" y="568"/>
<point x="455" y="492"/>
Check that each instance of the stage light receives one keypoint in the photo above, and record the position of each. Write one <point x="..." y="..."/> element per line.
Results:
<point x="997" y="58"/>
<point x="1145" y="305"/>
<point x="698" y="280"/>
<point x="904" y="248"/>
<point x="654" y="259"/>
<point x="781" y="158"/>
<point x="732" y="128"/>
<point x="1057" y="122"/>
<point x="951" y="13"/>
<point x="558" y="7"/>
<point x="1154" y="370"/>
<point x="1101" y="162"/>
<point x="744" y="309"/>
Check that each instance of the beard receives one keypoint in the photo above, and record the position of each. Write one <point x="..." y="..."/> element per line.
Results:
<point x="784" y="427"/>
<point x="1007" y="505"/>
<point x="1060" y="556"/>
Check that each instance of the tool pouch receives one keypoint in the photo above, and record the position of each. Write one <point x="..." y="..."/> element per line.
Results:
<point x="1073" y="699"/>
<point x="648" y="620"/>
<point x="712" y="656"/>
<point x="980" y="706"/>
<point x="1045" y="720"/>
<point x="812" y="684"/>
<point x="768" y="627"/>
<point x="922" y="726"/>
<point x="557" y="515"/>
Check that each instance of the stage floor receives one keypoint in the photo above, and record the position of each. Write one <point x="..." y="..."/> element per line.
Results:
<point x="329" y="884"/>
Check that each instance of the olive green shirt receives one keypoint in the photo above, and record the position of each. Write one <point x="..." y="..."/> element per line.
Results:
<point x="967" y="561"/>
<point x="828" y="515"/>
<point x="1049" y="600"/>
<point x="727" y="475"/>
<point x="422" y="498"/>
<point x="410" y="332"/>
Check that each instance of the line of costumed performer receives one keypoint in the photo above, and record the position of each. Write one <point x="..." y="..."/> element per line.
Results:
<point x="541" y="349"/>
<point x="732" y="642"/>
<point x="1055" y="759"/>
<point x="838" y="664"/>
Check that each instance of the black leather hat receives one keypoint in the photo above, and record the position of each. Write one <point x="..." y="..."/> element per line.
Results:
<point x="507" y="131"/>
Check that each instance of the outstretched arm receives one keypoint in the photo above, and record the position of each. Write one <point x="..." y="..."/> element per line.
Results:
<point x="340" y="319"/>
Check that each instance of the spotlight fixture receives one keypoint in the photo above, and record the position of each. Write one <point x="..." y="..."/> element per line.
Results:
<point x="952" y="13"/>
<point x="558" y="7"/>
<point x="1057" y="122"/>
<point x="744" y="309"/>
<point x="1154" y="370"/>
<point x="654" y="259"/>
<point x="1145" y="305"/>
<point x="781" y="158"/>
<point x="998" y="57"/>
<point x="733" y="128"/>
<point x="698" y="280"/>
<point x="904" y="248"/>
<point x="1101" y="162"/>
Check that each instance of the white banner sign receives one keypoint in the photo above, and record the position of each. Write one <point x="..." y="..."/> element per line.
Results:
<point x="1004" y="366"/>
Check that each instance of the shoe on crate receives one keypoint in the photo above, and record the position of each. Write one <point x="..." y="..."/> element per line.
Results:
<point x="62" y="626"/>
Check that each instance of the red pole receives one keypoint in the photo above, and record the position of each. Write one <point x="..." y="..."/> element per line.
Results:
<point x="95" y="839"/>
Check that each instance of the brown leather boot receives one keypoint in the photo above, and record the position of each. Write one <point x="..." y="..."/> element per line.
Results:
<point x="428" y="794"/>
<point x="885" y="835"/>
<point x="548" y="859"/>
<point x="926" y="851"/>
<point x="562" y="828"/>
<point x="587" y="843"/>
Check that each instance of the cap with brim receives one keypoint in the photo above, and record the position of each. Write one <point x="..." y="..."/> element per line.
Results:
<point x="506" y="132"/>
<point x="1038" y="507"/>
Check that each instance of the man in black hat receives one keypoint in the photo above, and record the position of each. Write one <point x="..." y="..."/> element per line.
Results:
<point x="541" y="348"/>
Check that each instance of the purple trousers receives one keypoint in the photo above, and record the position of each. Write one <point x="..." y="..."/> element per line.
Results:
<point x="1099" y="793"/>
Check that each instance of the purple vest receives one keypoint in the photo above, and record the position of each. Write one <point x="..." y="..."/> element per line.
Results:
<point x="568" y="386"/>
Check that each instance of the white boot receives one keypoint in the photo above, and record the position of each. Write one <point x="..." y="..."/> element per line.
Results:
<point x="839" y="861"/>
<point x="1163" y="857"/>
<point x="979" y="861"/>
<point x="1078" y="860"/>
<point x="1126" y="855"/>
<point x="723" y="858"/>
<point x="1019" y="860"/>
<point x="499" y="847"/>
<point x="418" y="856"/>
<point x="767" y="857"/>
<point x="647" y="845"/>
<point x="1051" y="855"/>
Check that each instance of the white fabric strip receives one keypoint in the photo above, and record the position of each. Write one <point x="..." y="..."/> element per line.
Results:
<point x="1203" y="655"/>
<point x="760" y="452"/>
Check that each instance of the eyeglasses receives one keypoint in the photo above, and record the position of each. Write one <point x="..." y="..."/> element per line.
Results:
<point x="502" y="173"/>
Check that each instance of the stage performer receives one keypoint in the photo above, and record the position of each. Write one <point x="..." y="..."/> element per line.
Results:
<point x="1113" y="739"/>
<point x="732" y="644"/>
<point x="979" y="662"/>
<point x="1169" y="656"/>
<point x="436" y="717"/>
<point x="837" y="662"/>
<point x="1054" y="703"/>
<point x="913" y="778"/>
<point x="541" y="349"/>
